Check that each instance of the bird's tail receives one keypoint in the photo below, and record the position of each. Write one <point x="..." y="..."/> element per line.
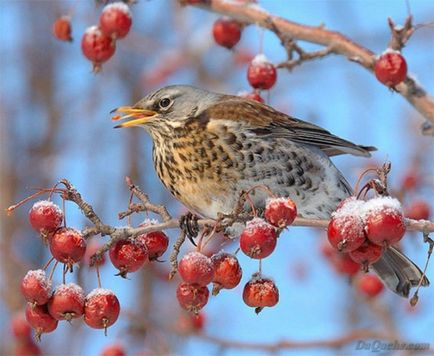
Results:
<point x="398" y="272"/>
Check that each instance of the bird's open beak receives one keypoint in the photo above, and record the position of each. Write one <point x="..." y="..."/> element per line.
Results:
<point x="134" y="116"/>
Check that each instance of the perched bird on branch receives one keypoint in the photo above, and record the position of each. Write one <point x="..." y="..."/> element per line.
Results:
<point x="209" y="147"/>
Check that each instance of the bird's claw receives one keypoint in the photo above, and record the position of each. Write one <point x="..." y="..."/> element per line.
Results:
<point x="188" y="224"/>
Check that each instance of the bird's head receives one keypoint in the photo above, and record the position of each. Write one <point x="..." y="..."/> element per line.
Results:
<point x="166" y="108"/>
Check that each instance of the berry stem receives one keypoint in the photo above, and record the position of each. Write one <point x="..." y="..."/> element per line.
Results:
<point x="65" y="269"/>
<point x="98" y="276"/>
<point x="260" y="267"/>
<point x="415" y="298"/>
<point x="48" y="264"/>
<point x="31" y="197"/>
<point x="50" y="278"/>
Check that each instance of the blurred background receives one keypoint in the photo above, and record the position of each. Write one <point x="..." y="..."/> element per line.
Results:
<point x="55" y="123"/>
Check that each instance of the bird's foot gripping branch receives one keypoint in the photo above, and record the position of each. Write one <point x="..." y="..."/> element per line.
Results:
<point x="361" y="232"/>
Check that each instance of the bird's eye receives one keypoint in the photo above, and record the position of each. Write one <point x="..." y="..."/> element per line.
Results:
<point x="164" y="103"/>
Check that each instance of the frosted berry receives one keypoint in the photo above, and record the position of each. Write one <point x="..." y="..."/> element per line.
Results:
<point x="346" y="232"/>
<point x="196" y="268"/>
<point x="192" y="297"/>
<point x="258" y="239"/>
<point x="280" y="212"/>
<point x="366" y="254"/>
<point x="260" y="292"/>
<point x="62" y="28"/>
<point x="20" y="328"/>
<point x="128" y="256"/>
<point x="385" y="226"/>
<point x="418" y="210"/>
<point x="226" y="32"/>
<point x="156" y="243"/>
<point x="227" y="271"/>
<point x="67" y="302"/>
<point x="35" y="287"/>
<point x="370" y="285"/>
<point x="252" y="96"/>
<point x="97" y="47"/>
<point x="391" y="68"/>
<point x="45" y="216"/>
<point x="101" y="309"/>
<point x="261" y="74"/>
<point x="40" y="319"/>
<point x="113" y="350"/>
<point x="115" y="20"/>
<point x="68" y="246"/>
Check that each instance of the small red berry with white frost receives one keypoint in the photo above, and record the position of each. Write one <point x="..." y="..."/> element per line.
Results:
<point x="196" y="268"/>
<point x="226" y="32"/>
<point x="36" y="287"/>
<point x="40" y="319"/>
<point x="384" y="221"/>
<point x="261" y="73"/>
<point x="68" y="246"/>
<point x="192" y="297"/>
<point x="260" y="292"/>
<point x="45" y="216"/>
<point x="97" y="47"/>
<point x="258" y="240"/>
<point x="280" y="212"/>
<point x="391" y="68"/>
<point x="62" y="28"/>
<point x="101" y="309"/>
<point x="366" y="254"/>
<point x="227" y="271"/>
<point x="370" y="285"/>
<point x="345" y="231"/>
<point x="128" y="256"/>
<point x="67" y="302"/>
<point x="156" y="242"/>
<point x="115" y="20"/>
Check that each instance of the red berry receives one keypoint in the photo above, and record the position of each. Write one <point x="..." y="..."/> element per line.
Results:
<point x="341" y="262"/>
<point x="156" y="243"/>
<point x="260" y="292"/>
<point x="62" y="28"/>
<point x="92" y="247"/>
<point x="188" y="322"/>
<point x="370" y="285"/>
<point x="280" y="212"/>
<point x="97" y="47"/>
<point x="197" y="321"/>
<point x="418" y="210"/>
<point x="113" y="350"/>
<point x="252" y="96"/>
<point x="115" y="20"/>
<point x="21" y="329"/>
<point x="101" y="309"/>
<point x="258" y="239"/>
<point x="68" y="246"/>
<point x="227" y="271"/>
<point x="346" y="232"/>
<point x="192" y="297"/>
<point x="196" y="268"/>
<point x="411" y="180"/>
<point x="384" y="221"/>
<point x="36" y="287"/>
<point x="26" y="348"/>
<point x="367" y="253"/>
<point x="67" y="302"/>
<point x="45" y="216"/>
<point x="128" y="256"/>
<point x="39" y="318"/>
<point x="391" y="68"/>
<point x="261" y="74"/>
<point x="226" y="32"/>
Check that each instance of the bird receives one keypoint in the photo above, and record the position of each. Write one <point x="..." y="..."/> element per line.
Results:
<point x="208" y="147"/>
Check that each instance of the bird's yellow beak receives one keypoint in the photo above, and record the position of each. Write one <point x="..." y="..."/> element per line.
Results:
<point x="135" y="116"/>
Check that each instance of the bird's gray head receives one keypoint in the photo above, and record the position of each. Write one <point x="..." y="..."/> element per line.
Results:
<point x="166" y="108"/>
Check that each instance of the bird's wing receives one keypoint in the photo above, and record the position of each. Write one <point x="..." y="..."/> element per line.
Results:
<point x="263" y="120"/>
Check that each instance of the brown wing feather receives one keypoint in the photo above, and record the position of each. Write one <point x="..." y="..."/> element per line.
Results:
<point x="266" y="121"/>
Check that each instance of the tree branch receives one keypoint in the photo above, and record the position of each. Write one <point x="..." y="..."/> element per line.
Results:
<point x="335" y="41"/>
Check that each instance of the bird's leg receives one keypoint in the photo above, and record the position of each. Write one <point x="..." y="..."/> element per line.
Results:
<point x="188" y="224"/>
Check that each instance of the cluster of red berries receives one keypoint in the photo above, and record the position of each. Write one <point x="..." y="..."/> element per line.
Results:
<point x="363" y="228"/>
<point x="22" y="333"/>
<point x="98" y="43"/>
<point x="258" y="240"/>
<point x="390" y="68"/>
